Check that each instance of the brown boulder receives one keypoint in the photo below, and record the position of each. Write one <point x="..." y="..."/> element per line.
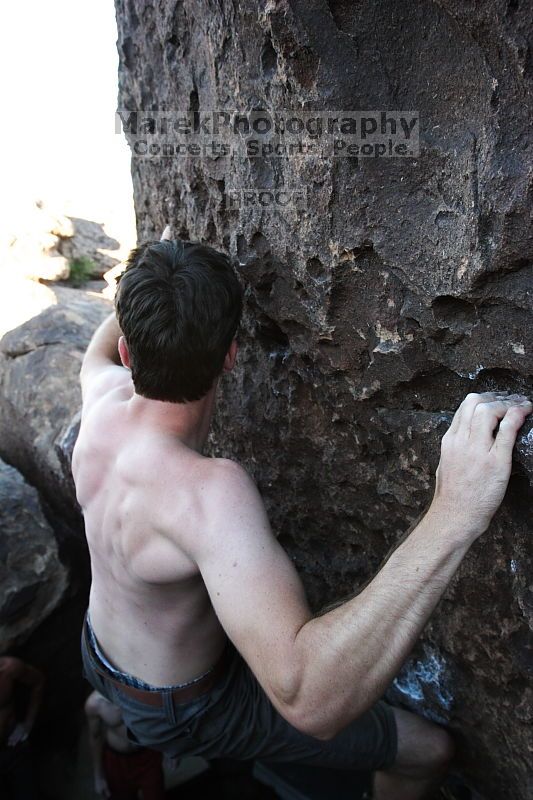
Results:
<point x="43" y="245"/>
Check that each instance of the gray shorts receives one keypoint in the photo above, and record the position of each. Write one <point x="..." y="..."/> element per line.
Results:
<point x="235" y="719"/>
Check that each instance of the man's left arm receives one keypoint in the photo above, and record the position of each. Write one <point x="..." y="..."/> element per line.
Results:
<point x="102" y="368"/>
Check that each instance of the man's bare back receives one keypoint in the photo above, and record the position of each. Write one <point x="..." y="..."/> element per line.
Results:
<point x="138" y="485"/>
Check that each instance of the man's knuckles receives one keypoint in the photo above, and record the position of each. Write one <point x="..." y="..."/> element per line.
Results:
<point x="514" y="418"/>
<point x="487" y="412"/>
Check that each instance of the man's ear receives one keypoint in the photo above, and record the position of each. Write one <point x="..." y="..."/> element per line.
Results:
<point x="124" y="353"/>
<point x="231" y="355"/>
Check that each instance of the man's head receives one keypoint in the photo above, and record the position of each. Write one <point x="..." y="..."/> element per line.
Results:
<point x="179" y="306"/>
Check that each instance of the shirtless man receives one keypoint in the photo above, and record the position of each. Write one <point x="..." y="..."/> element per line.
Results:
<point x="121" y="769"/>
<point x="16" y="778"/>
<point x="186" y="567"/>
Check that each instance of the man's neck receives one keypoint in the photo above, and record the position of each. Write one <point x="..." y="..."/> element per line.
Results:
<point x="189" y="422"/>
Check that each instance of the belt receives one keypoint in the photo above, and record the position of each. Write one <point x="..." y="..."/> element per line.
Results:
<point x="181" y="694"/>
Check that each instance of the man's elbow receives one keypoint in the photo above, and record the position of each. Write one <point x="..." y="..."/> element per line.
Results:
<point x="313" y="722"/>
<point x="301" y="708"/>
<point x="317" y="717"/>
<point x="307" y="715"/>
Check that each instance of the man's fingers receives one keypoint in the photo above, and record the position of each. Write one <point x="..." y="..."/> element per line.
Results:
<point x="463" y="416"/>
<point x="167" y="234"/>
<point x="486" y="417"/>
<point x="509" y="427"/>
<point x="462" y="421"/>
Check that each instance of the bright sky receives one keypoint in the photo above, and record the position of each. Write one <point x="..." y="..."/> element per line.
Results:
<point x="58" y="62"/>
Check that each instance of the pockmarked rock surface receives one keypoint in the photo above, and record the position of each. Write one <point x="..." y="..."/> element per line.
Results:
<point x="32" y="578"/>
<point x="40" y="396"/>
<point x="404" y="284"/>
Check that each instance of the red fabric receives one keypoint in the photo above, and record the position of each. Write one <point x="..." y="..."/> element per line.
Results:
<point x="126" y="773"/>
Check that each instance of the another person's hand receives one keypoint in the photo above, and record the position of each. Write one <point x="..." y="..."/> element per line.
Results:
<point x="475" y="465"/>
<point x="100" y="786"/>
<point x="19" y="734"/>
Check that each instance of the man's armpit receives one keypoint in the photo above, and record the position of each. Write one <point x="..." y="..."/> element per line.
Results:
<point x="96" y="384"/>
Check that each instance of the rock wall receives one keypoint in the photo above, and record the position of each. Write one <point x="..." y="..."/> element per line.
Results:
<point x="403" y="284"/>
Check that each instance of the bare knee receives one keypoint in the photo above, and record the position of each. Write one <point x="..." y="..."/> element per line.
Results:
<point x="425" y="749"/>
<point x="440" y="749"/>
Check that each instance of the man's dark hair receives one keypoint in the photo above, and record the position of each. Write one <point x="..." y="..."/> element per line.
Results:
<point x="178" y="305"/>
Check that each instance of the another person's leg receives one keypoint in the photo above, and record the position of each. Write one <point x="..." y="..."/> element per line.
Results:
<point x="117" y="772"/>
<point x="149" y="775"/>
<point x="424" y="753"/>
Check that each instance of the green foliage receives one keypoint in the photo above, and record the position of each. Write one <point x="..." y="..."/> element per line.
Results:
<point x="81" y="270"/>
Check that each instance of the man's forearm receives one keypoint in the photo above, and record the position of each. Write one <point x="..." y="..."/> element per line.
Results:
<point x="350" y="655"/>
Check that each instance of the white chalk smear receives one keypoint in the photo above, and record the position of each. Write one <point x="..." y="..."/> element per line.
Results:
<point x="471" y="375"/>
<point x="429" y="672"/>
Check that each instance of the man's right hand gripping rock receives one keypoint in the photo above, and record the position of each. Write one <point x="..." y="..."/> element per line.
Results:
<point x="475" y="462"/>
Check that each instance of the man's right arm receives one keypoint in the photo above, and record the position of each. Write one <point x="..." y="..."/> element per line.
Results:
<point x="322" y="672"/>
